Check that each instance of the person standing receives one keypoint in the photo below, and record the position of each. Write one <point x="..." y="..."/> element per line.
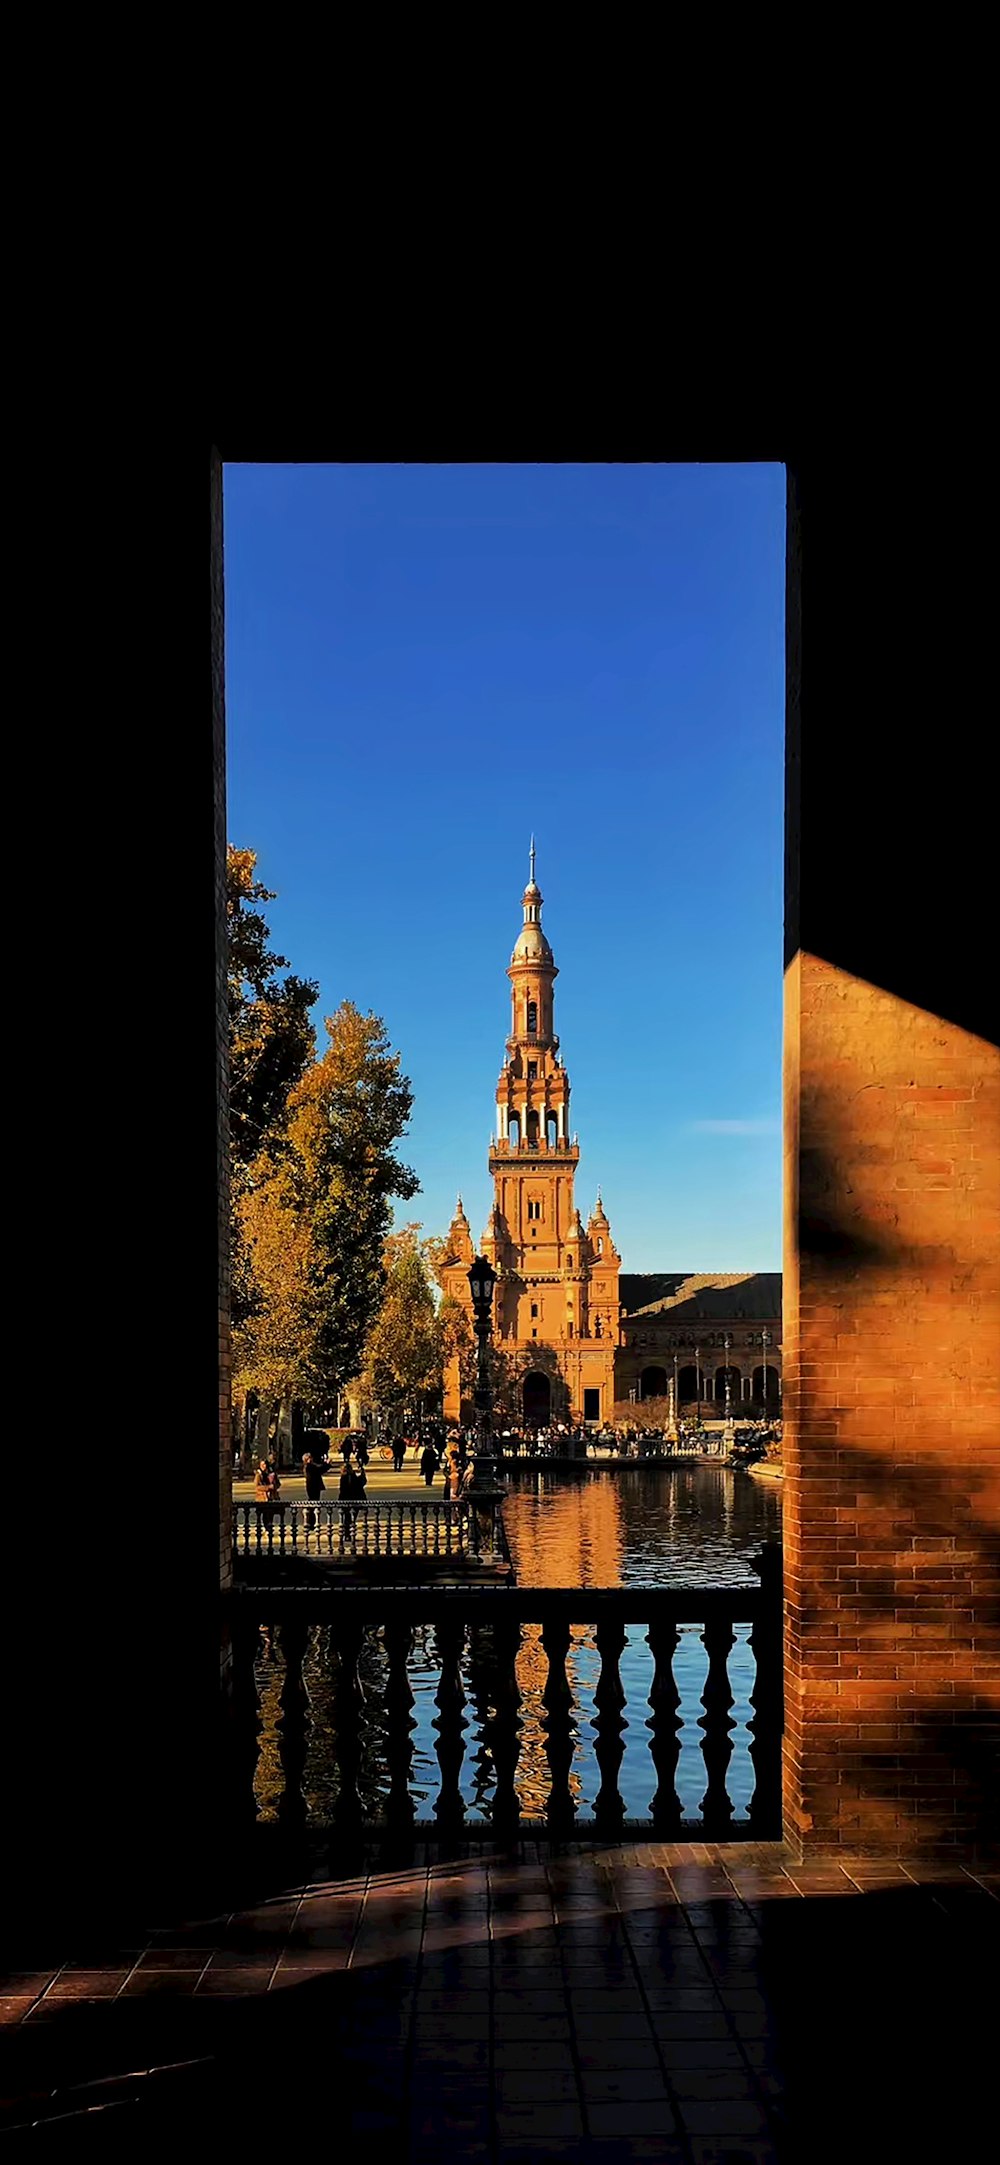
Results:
<point x="315" y="1486"/>
<point x="398" y="1452"/>
<point x="428" y="1463"/>
<point x="266" y="1489"/>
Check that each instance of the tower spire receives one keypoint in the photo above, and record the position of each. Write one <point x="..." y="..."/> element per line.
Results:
<point x="531" y="860"/>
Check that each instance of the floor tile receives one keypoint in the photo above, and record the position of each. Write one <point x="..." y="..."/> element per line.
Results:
<point x="632" y="2118"/>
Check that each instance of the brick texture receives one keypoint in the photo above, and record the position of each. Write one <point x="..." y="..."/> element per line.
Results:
<point x="892" y="1422"/>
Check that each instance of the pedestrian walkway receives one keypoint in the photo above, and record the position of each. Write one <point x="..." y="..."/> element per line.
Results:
<point x="692" y="2004"/>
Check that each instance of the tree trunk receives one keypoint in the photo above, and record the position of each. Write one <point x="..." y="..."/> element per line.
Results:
<point x="264" y="1426"/>
<point x="283" y="1435"/>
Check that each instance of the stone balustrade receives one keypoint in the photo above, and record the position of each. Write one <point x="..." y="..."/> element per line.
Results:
<point x="477" y="1632"/>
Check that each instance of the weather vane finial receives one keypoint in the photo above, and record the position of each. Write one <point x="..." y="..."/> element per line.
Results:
<point x="531" y="854"/>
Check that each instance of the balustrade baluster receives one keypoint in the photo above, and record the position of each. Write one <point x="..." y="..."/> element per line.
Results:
<point x="766" y="1699"/>
<point x="717" y="1747"/>
<point x="665" y="1726"/>
<point x="449" y="1638"/>
<point x="244" y="1717"/>
<point x="437" y="1533"/>
<point x="400" y="1808"/>
<point x="609" y="1750"/>
<point x="347" y="1636"/>
<point x="504" y="1731"/>
<point x="557" y="1699"/>
<point x="292" y="1725"/>
<point x="295" y="1531"/>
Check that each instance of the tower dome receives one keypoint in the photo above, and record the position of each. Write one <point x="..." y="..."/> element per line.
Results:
<point x="532" y="945"/>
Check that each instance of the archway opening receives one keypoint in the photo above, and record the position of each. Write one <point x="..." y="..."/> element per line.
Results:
<point x="653" y="1383"/>
<point x="687" y="1386"/>
<point x="536" y="1398"/>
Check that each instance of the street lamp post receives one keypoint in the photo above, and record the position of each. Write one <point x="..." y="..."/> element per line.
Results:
<point x="728" y="1430"/>
<point x="672" y="1424"/>
<point x="485" y="1492"/>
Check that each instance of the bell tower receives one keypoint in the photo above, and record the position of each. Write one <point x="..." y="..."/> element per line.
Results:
<point x="556" y="1300"/>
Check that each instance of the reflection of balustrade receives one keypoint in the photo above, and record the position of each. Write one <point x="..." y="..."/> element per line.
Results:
<point x="477" y="1637"/>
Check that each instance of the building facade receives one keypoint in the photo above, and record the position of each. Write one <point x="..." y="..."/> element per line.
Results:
<point x="686" y="1329"/>
<point x="580" y="1338"/>
<point x="556" y="1305"/>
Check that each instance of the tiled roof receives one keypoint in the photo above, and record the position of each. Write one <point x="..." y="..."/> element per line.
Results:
<point x="752" y="1295"/>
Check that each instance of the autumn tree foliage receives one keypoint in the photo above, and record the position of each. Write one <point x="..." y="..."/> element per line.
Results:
<point x="313" y="1166"/>
<point x="271" y="1034"/>
<point x="345" y="1118"/>
<point x="405" y="1345"/>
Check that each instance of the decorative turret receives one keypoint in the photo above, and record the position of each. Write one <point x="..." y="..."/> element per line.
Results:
<point x="460" y="1249"/>
<point x="599" y="1234"/>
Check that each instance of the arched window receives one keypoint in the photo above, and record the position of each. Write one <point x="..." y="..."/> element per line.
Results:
<point x="514" y="1131"/>
<point x="532" y="1017"/>
<point x="551" y="1130"/>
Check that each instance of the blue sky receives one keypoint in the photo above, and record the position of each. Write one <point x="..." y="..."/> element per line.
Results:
<point x="426" y="664"/>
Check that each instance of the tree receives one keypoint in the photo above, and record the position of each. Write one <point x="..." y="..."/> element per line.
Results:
<point x="345" y="1117"/>
<point x="271" y="1343"/>
<point x="405" y="1344"/>
<point x="271" y="1041"/>
<point x="271" y="1035"/>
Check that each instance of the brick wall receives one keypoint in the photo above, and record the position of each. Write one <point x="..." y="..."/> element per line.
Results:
<point x="891" y="1297"/>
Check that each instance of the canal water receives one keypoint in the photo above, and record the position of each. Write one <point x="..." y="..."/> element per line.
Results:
<point x="676" y="1526"/>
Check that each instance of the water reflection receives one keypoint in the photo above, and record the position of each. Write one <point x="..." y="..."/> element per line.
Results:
<point x="674" y="1526"/>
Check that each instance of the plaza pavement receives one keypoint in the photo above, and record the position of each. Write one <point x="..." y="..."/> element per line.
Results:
<point x="693" y="2004"/>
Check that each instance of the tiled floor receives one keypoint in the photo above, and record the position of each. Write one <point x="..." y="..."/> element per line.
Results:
<point x="678" y="2003"/>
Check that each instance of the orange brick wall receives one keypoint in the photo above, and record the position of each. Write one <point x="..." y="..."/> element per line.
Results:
<point x="892" y="1421"/>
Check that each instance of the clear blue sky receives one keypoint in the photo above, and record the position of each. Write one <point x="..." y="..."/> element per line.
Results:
<point x="427" y="663"/>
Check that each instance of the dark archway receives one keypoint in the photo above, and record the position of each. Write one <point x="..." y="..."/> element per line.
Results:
<point x="687" y="1386"/>
<point x="653" y="1383"/>
<point x="765" y="1386"/>
<point x="536" y="1397"/>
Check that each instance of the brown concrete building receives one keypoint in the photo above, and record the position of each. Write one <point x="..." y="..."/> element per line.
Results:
<point x="584" y="1337"/>
<point x="556" y="1306"/>
<point x="686" y="1328"/>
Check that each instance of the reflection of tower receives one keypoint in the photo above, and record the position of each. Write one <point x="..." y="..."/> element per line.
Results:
<point x="556" y="1307"/>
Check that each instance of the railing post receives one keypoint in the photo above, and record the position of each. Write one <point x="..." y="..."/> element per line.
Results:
<point x="557" y="1699"/>
<point x="244" y="1712"/>
<point x="716" y="1749"/>
<point x="767" y="1697"/>
<point x="609" y="1750"/>
<point x="505" y="1740"/>
<point x="449" y="1722"/>
<point x="347" y="1636"/>
<point x="292" y="1724"/>
<point x="400" y="1809"/>
<point x="665" y="1726"/>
